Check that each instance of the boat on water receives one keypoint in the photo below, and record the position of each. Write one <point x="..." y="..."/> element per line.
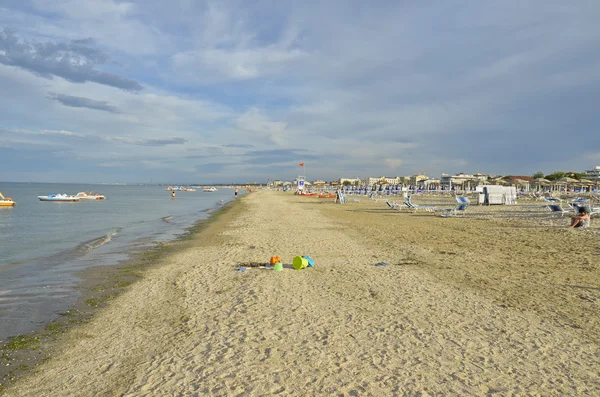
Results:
<point x="177" y="188"/>
<point x="90" y="196"/>
<point x="6" y="201"/>
<point x="210" y="189"/>
<point x="59" y="197"/>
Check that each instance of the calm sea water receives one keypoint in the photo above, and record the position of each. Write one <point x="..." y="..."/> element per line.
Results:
<point x="44" y="244"/>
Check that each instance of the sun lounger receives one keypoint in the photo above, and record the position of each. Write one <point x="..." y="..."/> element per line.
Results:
<point x="462" y="205"/>
<point x="394" y="205"/>
<point x="558" y="209"/>
<point x="416" y="207"/>
<point x="588" y="208"/>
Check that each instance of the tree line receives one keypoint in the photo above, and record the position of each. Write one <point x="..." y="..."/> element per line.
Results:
<point x="559" y="174"/>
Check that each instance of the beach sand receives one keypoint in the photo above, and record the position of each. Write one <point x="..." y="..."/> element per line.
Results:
<point x="501" y="301"/>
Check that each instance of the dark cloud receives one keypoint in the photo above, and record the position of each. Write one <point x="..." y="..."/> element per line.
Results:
<point x="239" y="145"/>
<point x="161" y="142"/>
<point x="75" y="61"/>
<point x="80" y="102"/>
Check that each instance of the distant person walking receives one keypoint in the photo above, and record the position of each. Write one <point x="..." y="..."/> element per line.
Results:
<point x="235" y="192"/>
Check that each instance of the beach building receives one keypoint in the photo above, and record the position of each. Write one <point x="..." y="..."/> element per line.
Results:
<point x="404" y="180"/>
<point x="520" y="181"/>
<point x="431" y="184"/>
<point x="416" y="180"/>
<point x="465" y="181"/>
<point x="352" y="181"/>
<point x="593" y="174"/>
<point x="319" y="182"/>
<point x="382" y="180"/>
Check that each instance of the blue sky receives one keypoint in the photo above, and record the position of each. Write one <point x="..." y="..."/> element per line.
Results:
<point x="230" y="91"/>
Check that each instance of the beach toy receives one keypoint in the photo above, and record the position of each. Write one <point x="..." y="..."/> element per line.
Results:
<point x="311" y="261"/>
<point x="275" y="259"/>
<point x="240" y="269"/>
<point x="299" y="262"/>
<point x="381" y="264"/>
<point x="278" y="267"/>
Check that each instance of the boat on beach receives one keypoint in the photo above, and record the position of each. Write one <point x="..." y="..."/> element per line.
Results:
<point x="6" y="201"/>
<point x="59" y="197"/>
<point x="210" y="189"/>
<point x="90" y="196"/>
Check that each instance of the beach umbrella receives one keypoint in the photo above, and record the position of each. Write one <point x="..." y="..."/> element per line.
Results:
<point x="586" y="182"/>
<point x="541" y="181"/>
<point x="498" y="182"/>
<point x="518" y="181"/>
<point x="566" y="180"/>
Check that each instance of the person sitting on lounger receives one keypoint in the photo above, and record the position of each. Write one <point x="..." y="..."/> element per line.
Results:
<point x="580" y="219"/>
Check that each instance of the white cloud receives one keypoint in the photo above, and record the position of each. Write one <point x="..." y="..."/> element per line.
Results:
<point x="210" y="64"/>
<point x="255" y="121"/>
<point x="363" y="88"/>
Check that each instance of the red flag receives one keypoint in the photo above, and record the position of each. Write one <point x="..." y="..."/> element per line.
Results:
<point x="301" y="164"/>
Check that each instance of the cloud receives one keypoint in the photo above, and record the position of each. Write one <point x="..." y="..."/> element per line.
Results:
<point x="212" y="168"/>
<point x="391" y="88"/>
<point x="278" y="156"/>
<point x="90" y="138"/>
<point x="148" y="142"/>
<point x="234" y="64"/>
<point x="80" y="102"/>
<point x="75" y="61"/>
<point x="255" y="121"/>
<point x="239" y="145"/>
<point x="9" y="132"/>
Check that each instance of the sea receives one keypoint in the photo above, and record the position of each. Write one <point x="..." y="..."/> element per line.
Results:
<point x="45" y="245"/>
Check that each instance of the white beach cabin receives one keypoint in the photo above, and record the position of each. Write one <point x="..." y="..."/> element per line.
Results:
<point x="497" y="195"/>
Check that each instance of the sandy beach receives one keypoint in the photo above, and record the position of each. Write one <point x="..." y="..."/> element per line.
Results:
<point x="500" y="301"/>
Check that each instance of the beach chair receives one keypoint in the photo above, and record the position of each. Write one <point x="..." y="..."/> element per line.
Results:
<point x="588" y="208"/>
<point x="461" y="206"/>
<point x="394" y="205"/>
<point x="415" y="207"/>
<point x="558" y="209"/>
<point x="551" y="200"/>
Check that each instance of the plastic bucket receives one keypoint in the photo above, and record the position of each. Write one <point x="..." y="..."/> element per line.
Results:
<point x="311" y="261"/>
<point x="299" y="262"/>
<point x="278" y="267"/>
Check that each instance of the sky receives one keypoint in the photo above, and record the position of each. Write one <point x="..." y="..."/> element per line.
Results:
<point x="191" y="91"/>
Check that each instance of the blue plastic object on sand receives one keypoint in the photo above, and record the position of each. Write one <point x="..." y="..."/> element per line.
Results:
<point x="381" y="264"/>
<point x="311" y="261"/>
<point x="241" y="269"/>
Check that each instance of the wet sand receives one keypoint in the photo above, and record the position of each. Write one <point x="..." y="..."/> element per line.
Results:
<point x="498" y="301"/>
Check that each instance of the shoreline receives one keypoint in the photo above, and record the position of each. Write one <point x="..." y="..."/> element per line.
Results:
<point x="99" y="285"/>
<point x="467" y="305"/>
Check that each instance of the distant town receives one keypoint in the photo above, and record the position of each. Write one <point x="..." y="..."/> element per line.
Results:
<point x="445" y="181"/>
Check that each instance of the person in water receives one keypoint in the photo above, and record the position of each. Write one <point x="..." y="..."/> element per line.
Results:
<point x="173" y="194"/>
<point x="235" y="192"/>
<point x="580" y="219"/>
